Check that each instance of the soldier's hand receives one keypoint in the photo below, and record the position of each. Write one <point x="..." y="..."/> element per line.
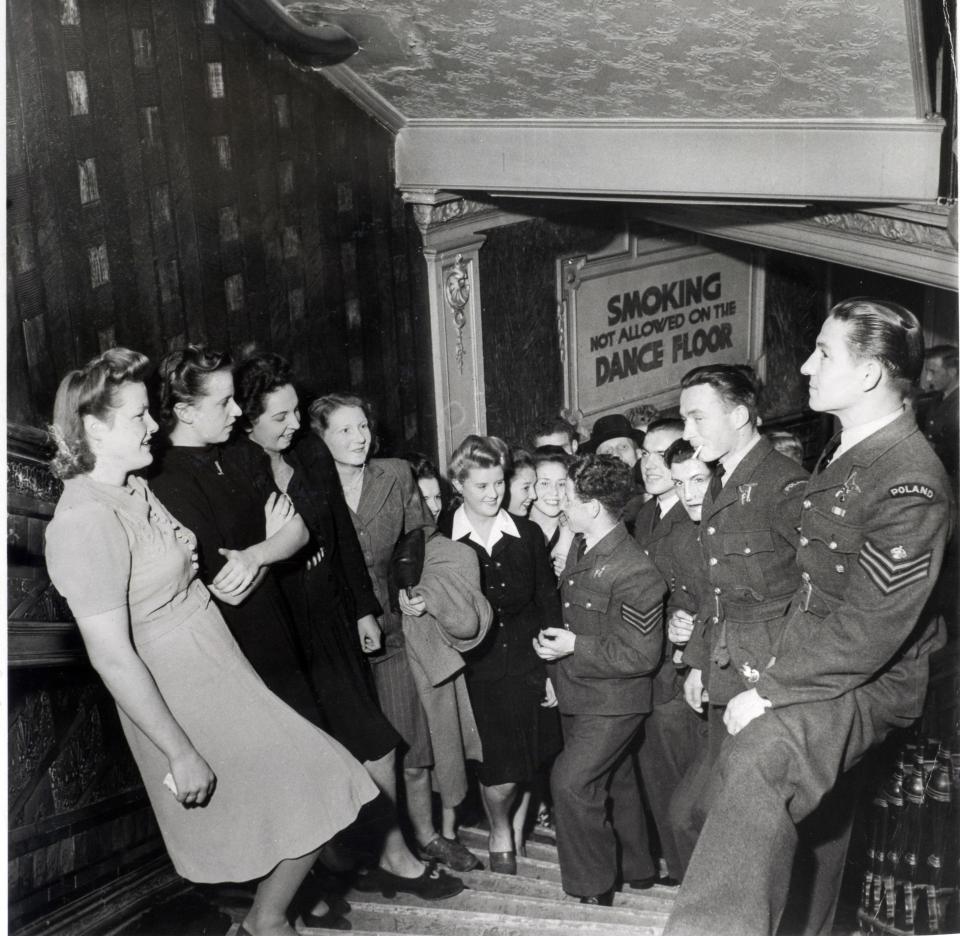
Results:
<point x="693" y="689"/>
<point x="680" y="626"/>
<point x="743" y="708"/>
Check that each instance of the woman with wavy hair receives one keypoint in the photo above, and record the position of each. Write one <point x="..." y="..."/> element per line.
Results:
<point x="243" y="788"/>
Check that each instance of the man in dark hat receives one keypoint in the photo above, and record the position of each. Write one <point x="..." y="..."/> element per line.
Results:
<point x="614" y="435"/>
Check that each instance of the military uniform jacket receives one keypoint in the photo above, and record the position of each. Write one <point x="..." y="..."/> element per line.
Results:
<point x="874" y="525"/>
<point x="942" y="429"/>
<point x="613" y="601"/>
<point x="654" y="535"/>
<point x="748" y="540"/>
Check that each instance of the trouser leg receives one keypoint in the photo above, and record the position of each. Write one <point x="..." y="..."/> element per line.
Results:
<point x="580" y="780"/>
<point x="628" y="816"/>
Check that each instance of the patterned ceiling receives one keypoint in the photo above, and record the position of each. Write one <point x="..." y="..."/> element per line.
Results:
<point x="571" y="59"/>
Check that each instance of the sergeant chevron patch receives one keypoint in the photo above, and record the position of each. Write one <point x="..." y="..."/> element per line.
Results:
<point x="643" y="621"/>
<point x="890" y="575"/>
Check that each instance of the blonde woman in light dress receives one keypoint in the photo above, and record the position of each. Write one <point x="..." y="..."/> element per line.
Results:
<point x="243" y="788"/>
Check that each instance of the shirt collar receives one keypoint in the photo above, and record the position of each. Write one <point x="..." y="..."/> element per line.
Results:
<point x="850" y="437"/>
<point x="667" y="503"/>
<point x="731" y="462"/>
<point x="503" y="525"/>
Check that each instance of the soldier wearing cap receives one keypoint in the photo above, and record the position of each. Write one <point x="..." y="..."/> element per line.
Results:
<point x="851" y="661"/>
<point x="606" y="653"/>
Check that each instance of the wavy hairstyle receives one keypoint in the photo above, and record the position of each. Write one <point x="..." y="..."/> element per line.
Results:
<point x="91" y="390"/>
<point x="183" y="377"/>
<point x="477" y="451"/>
<point x="736" y="385"/>
<point x="322" y="408"/>
<point x="885" y="331"/>
<point x="258" y="374"/>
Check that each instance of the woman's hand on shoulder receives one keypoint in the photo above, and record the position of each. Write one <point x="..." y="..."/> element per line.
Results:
<point x="193" y="778"/>
<point x="278" y="511"/>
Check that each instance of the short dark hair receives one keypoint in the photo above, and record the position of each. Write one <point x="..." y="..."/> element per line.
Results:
<point x="89" y="391"/>
<point x="603" y="478"/>
<point x="885" y="331"/>
<point x="257" y="375"/>
<point x="679" y="450"/>
<point x="552" y="454"/>
<point x="665" y="422"/>
<point x="547" y="427"/>
<point x="422" y="467"/>
<point x="736" y="385"/>
<point x="183" y="376"/>
<point x="945" y="353"/>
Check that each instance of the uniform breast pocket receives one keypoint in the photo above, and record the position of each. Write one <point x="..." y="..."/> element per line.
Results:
<point x="828" y="548"/>
<point x="744" y="555"/>
<point x="586" y="608"/>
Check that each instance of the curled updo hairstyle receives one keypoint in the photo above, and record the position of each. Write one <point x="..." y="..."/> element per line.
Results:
<point x="322" y="408"/>
<point x="90" y="391"/>
<point x="603" y="478"/>
<point x="254" y="377"/>
<point x="736" y="385"/>
<point x="183" y="377"/>
<point x="886" y="332"/>
<point x="552" y="455"/>
<point x="478" y="452"/>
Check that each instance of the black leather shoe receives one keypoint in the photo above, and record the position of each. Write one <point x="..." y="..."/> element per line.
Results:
<point x="644" y="883"/>
<point x="668" y="882"/>
<point x="601" y="900"/>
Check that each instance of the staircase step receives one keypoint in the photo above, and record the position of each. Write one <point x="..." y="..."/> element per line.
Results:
<point x="555" y="906"/>
<point x="656" y="900"/>
<point x="476" y="840"/>
<point x="439" y="921"/>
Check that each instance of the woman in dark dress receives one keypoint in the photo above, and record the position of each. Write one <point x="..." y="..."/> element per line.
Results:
<point x="239" y="533"/>
<point x="329" y="590"/>
<point x="506" y="679"/>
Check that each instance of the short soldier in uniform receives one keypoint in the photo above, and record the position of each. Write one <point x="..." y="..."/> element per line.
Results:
<point x="607" y="652"/>
<point x="851" y="662"/>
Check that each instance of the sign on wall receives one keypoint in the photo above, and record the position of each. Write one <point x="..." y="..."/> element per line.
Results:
<point x="633" y="324"/>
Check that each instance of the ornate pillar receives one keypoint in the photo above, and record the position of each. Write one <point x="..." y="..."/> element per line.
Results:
<point x="451" y="248"/>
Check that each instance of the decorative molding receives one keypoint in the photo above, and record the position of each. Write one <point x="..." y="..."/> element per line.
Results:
<point x="457" y="294"/>
<point x="754" y="160"/>
<point x="895" y="243"/>
<point x="30" y="479"/>
<point x="429" y="216"/>
<point x="886" y="228"/>
<point x="344" y="79"/>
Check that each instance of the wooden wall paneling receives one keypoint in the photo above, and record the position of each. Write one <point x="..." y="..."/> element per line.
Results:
<point x="385" y="313"/>
<point x="202" y="122"/>
<point x="22" y="405"/>
<point x="56" y="259"/>
<point x="183" y="312"/>
<point x="119" y="164"/>
<point x="245" y="66"/>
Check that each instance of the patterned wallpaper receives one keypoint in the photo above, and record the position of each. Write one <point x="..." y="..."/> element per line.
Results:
<point x="626" y="58"/>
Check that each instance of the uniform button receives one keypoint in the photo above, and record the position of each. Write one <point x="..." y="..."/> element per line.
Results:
<point x="501" y="623"/>
<point x="503" y="584"/>
<point x="683" y="587"/>
<point x="713" y="560"/>
<point x="833" y="544"/>
<point x="804" y="541"/>
<point x="840" y="568"/>
<point x="716" y="590"/>
<point x="589" y="605"/>
<point x="805" y="576"/>
<point x="807" y="504"/>
<point x="566" y="604"/>
<point x="747" y="550"/>
<point x="711" y="531"/>
<point x="646" y="552"/>
<point x="497" y="564"/>
<point x="570" y="581"/>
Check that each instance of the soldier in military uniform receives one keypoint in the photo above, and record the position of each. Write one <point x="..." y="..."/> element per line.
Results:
<point x="851" y="663"/>
<point x="748" y="537"/>
<point x="607" y="652"/>
<point x="671" y="731"/>
<point x="941" y="424"/>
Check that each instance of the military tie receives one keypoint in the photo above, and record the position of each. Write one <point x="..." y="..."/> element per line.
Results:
<point x="828" y="454"/>
<point x="716" y="483"/>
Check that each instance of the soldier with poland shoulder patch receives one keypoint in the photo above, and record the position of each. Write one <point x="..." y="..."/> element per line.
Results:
<point x="852" y="661"/>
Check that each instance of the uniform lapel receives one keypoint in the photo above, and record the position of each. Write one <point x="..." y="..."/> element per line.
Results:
<point x="376" y="488"/>
<point x="741" y="475"/>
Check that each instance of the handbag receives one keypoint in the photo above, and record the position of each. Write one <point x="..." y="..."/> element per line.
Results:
<point x="406" y="564"/>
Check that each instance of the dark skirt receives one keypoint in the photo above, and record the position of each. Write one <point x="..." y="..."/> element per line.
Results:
<point x="340" y="675"/>
<point x="519" y="736"/>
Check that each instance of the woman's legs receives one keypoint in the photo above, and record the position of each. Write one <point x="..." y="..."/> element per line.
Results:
<point x="394" y="856"/>
<point x="497" y="801"/>
<point x="449" y="822"/>
<point x="520" y="821"/>
<point x="268" y="914"/>
<point x="416" y="782"/>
